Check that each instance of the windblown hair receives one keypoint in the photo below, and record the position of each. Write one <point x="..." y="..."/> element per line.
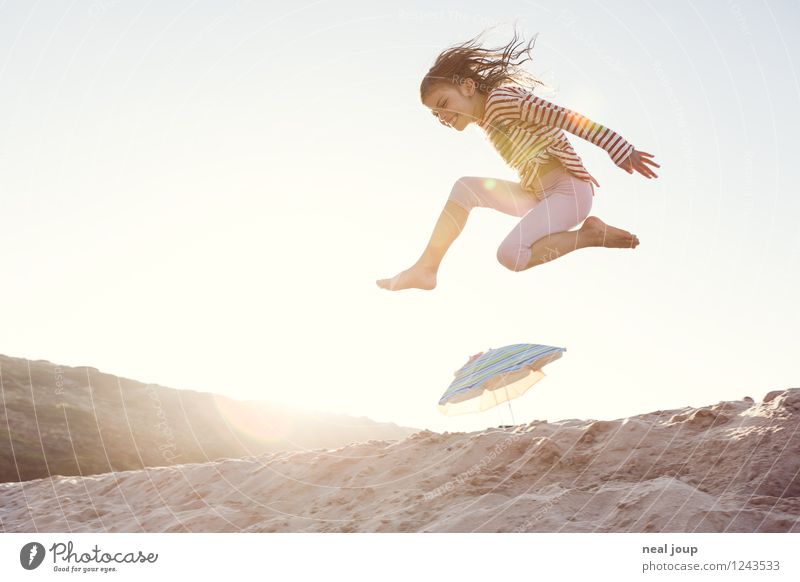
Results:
<point x="487" y="67"/>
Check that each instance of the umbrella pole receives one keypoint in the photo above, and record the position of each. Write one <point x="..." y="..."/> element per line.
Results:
<point x="508" y="401"/>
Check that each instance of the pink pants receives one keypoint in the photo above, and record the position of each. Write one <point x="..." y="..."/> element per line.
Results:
<point x="566" y="202"/>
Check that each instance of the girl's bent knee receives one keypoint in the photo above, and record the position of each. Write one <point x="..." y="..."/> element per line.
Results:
<point x="513" y="259"/>
<point x="468" y="183"/>
<point x="464" y="192"/>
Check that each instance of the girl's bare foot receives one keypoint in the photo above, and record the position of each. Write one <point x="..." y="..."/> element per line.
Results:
<point x="417" y="277"/>
<point x="604" y="235"/>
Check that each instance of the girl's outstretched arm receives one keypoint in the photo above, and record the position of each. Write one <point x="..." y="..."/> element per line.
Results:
<point x="529" y="107"/>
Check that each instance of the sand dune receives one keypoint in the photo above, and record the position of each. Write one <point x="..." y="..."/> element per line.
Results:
<point x="61" y="420"/>
<point x="730" y="467"/>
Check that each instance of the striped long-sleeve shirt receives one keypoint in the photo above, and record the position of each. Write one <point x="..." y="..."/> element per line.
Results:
<point x="527" y="130"/>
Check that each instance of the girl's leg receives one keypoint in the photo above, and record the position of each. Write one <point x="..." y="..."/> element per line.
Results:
<point x="509" y="197"/>
<point x="542" y="235"/>
<point x="593" y="233"/>
<point x="467" y="193"/>
<point x="422" y="275"/>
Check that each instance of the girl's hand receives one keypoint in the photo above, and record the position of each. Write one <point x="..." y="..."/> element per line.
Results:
<point x="637" y="161"/>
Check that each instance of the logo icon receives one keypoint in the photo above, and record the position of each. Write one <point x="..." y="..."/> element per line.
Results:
<point x="31" y="555"/>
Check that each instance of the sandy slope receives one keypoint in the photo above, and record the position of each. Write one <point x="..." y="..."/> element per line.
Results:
<point x="730" y="467"/>
<point x="61" y="420"/>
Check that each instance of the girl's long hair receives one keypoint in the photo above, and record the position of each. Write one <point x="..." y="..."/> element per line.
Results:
<point x="487" y="67"/>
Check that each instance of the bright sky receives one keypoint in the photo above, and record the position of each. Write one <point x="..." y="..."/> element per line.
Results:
<point x="202" y="195"/>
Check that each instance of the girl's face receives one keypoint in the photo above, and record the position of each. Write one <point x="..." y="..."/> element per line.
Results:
<point x="456" y="105"/>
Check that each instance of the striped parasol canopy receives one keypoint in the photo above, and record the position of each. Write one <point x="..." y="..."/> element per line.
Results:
<point x="496" y="376"/>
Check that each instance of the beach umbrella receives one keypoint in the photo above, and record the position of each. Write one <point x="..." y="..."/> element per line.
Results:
<point x="496" y="376"/>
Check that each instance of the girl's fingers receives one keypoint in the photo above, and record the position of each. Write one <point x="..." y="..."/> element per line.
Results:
<point x="644" y="160"/>
<point x="644" y="166"/>
<point x="646" y="171"/>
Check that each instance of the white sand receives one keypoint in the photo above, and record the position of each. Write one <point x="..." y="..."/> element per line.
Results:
<point x="730" y="467"/>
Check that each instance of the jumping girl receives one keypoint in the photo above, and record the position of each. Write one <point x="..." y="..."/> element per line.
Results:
<point x="471" y="84"/>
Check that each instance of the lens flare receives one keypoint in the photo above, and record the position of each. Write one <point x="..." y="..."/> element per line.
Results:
<point x="257" y="421"/>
